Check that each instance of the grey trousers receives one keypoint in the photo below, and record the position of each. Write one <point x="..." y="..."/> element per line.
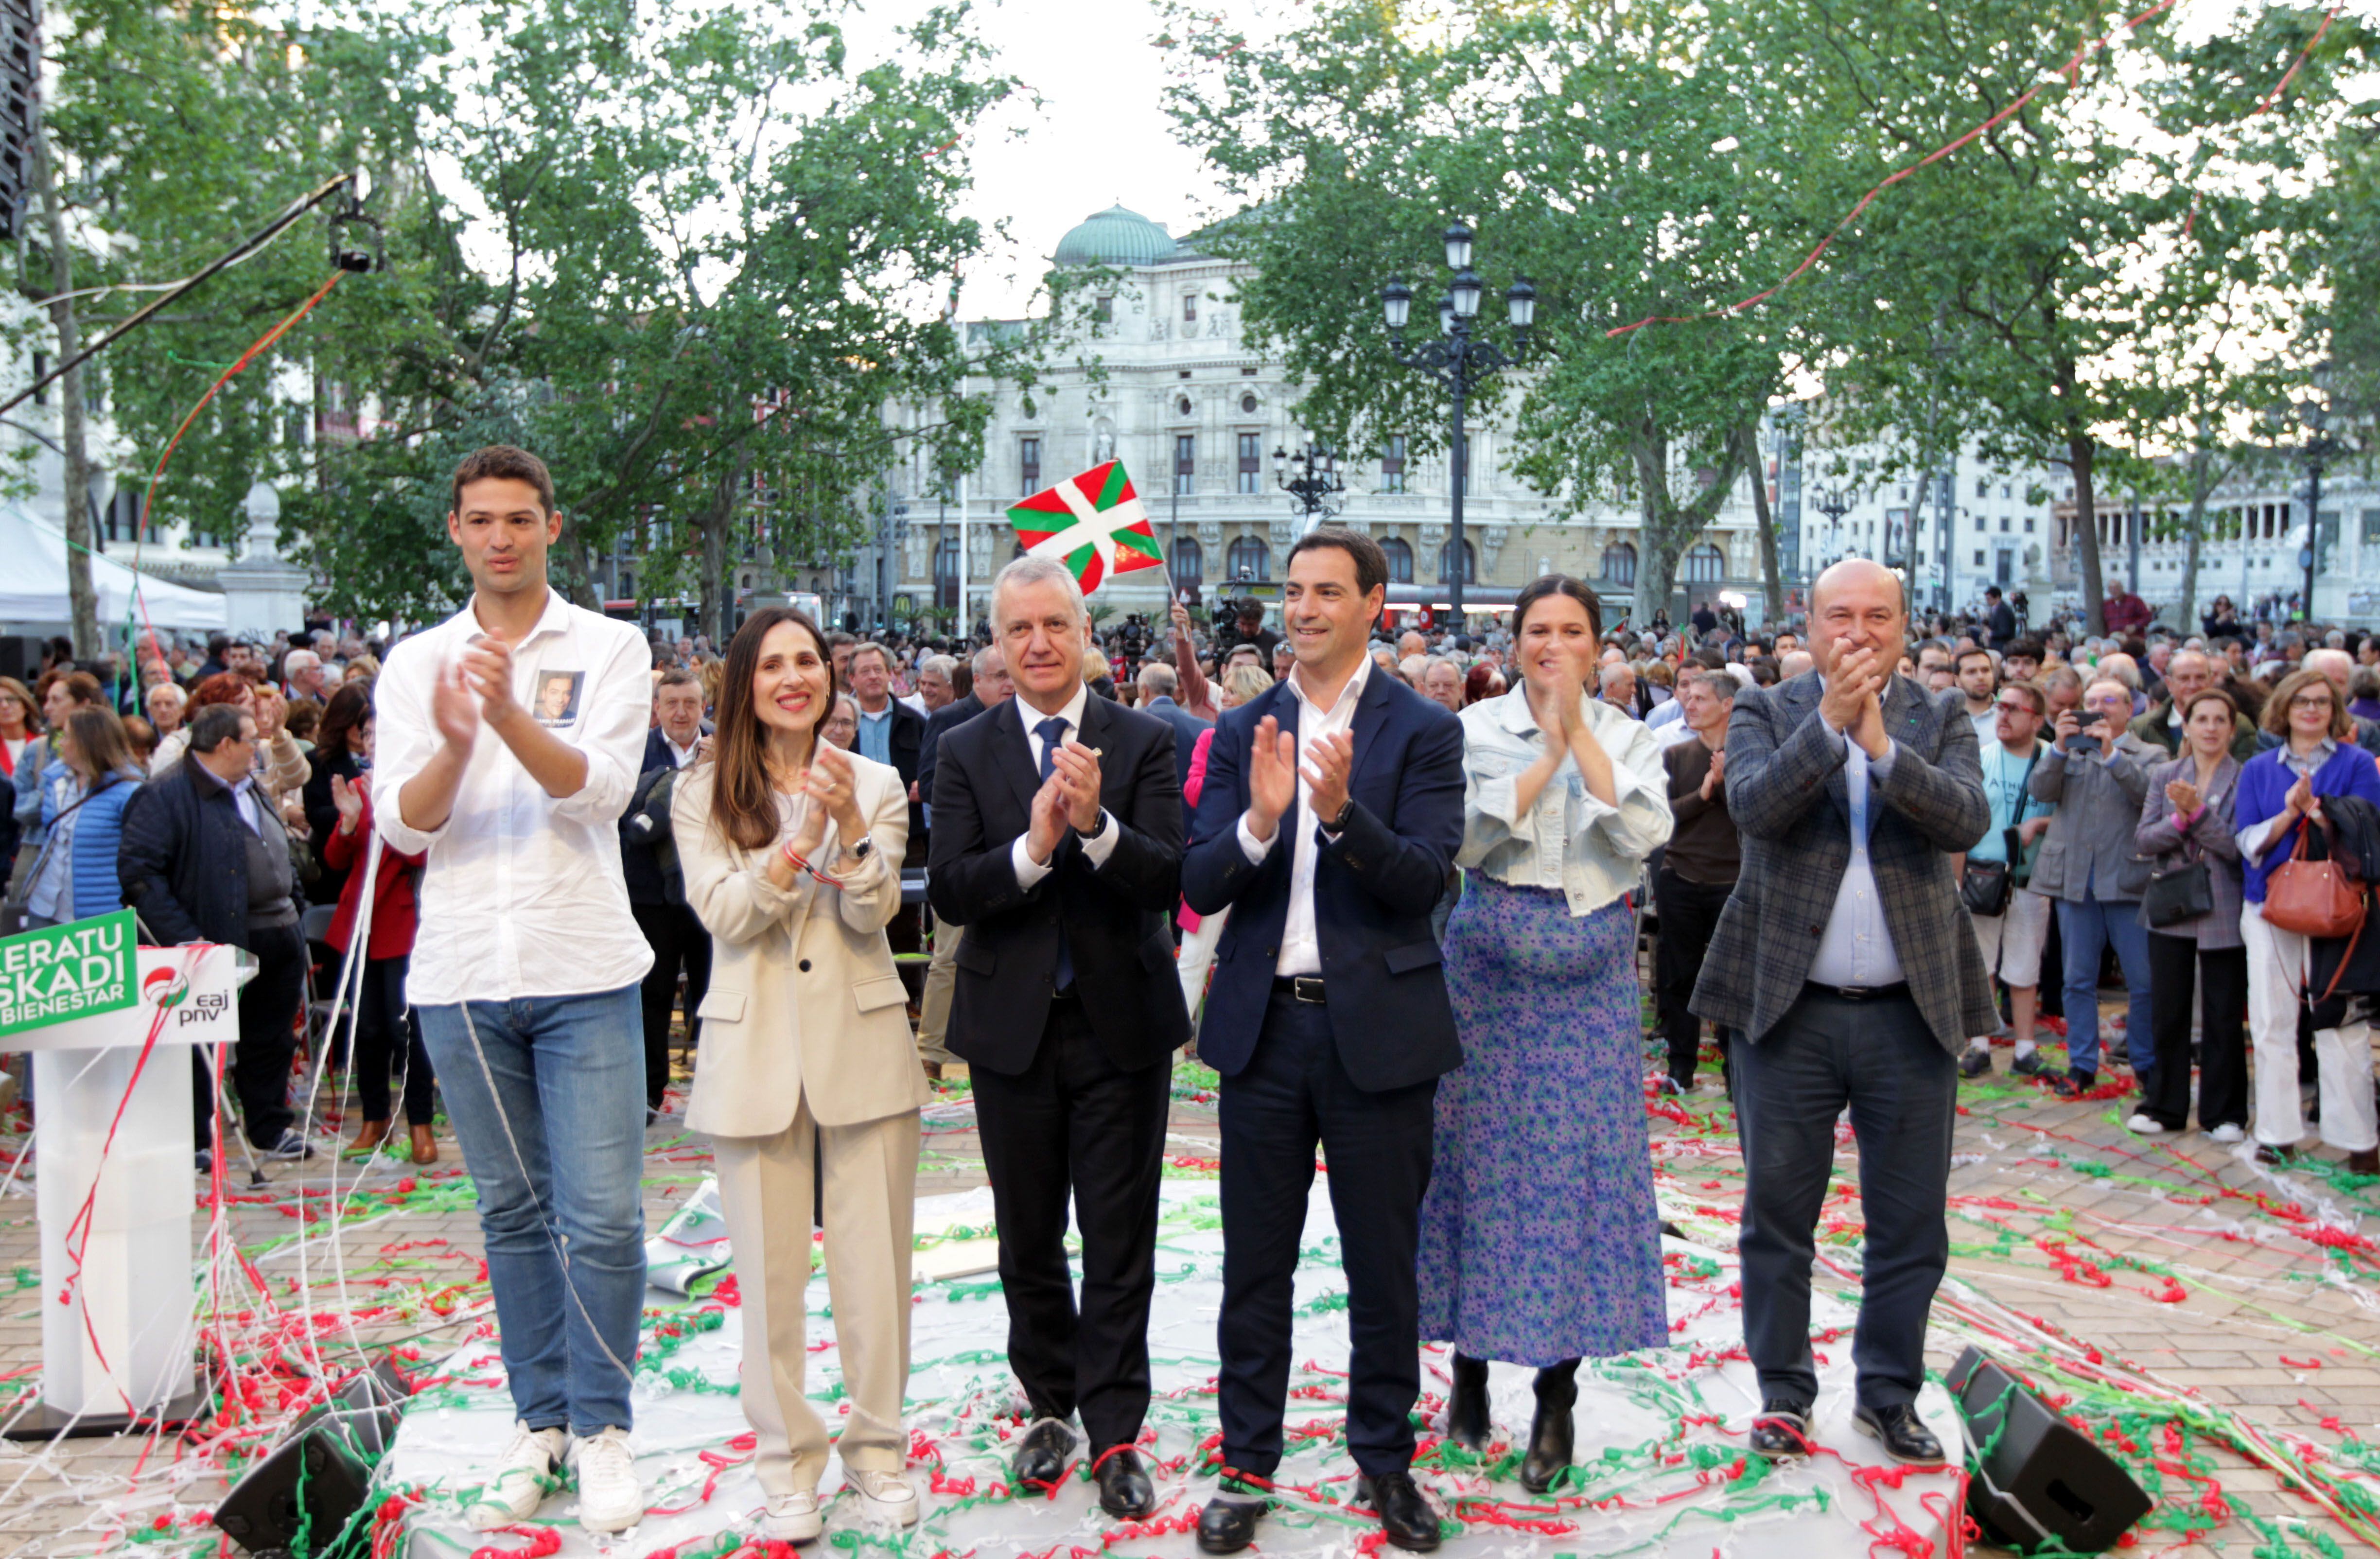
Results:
<point x="934" y="1001"/>
<point x="1902" y="1086"/>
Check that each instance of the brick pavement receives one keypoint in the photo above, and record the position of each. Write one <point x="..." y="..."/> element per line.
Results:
<point x="2169" y="1263"/>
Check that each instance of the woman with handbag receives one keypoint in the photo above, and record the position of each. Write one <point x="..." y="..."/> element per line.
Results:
<point x="2191" y="911"/>
<point x="2280" y="792"/>
<point x="83" y="793"/>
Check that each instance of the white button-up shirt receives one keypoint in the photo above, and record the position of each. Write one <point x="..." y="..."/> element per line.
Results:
<point x="1096" y="848"/>
<point x="1300" y="942"/>
<point x="1569" y="838"/>
<point x="522" y="895"/>
<point x="1856" y="949"/>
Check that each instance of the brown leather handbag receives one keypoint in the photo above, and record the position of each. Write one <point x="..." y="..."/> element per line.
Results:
<point x="2315" y="898"/>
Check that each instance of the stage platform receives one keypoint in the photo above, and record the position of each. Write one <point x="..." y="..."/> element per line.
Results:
<point x="1660" y="1436"/>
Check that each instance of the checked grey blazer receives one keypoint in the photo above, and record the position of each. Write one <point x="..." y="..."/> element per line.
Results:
<point x="1785" y="790"/>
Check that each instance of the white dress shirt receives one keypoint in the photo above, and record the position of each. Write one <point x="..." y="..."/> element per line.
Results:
<point x="1300" y="942"/>
<point x="1856" y="949"/>
<point x="1096" y="848"/>
<point x="522" y="895"/>
<point x="681" y="756"/>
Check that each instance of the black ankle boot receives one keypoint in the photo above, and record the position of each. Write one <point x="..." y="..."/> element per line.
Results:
<point x="1549" y="1431"/>
<point x="1466" y="1405"/>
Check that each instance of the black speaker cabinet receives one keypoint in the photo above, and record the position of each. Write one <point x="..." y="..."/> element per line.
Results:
<point x="2042" y="1484"/>
<point x="319" y="1477"/>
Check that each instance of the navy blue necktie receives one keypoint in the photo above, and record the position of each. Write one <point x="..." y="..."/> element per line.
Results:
<point x="1052" y="732"/>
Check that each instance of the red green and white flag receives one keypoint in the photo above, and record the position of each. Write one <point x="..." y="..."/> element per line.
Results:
<point x="1093" y="523"/>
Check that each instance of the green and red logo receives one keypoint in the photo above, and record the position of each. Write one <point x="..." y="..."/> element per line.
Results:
<point x="164" y="988"/>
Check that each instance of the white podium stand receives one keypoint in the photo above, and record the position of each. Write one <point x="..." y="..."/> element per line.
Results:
<point x="118" y="1353"/>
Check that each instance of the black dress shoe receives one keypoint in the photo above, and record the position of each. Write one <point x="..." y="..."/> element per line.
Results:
<point x="1041" y="1458"/>
<point x="1781" y="1430"/>
<point x="1904" y="1435"/>
<point x="1549" y="1431"/>
<point x="1408" y="1518"/>
<point x="1126" y="1491"/>
<point x="1466" y="1405"/>
<point x="2073" y="1085"/>
<point x="1229" y="1522"/>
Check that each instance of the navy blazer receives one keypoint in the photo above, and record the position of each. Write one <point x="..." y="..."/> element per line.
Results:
<point x="1186" y="729"/>
<point x="1374" y="887"/>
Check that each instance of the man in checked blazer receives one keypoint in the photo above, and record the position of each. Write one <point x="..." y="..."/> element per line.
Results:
<point x="1846" y="968"/>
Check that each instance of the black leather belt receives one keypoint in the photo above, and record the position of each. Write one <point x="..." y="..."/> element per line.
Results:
<point x="1299" y="987"/>
<point x="1859" y="993"/>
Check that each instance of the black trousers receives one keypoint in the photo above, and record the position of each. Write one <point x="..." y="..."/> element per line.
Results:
<point x="259" y="1065"/>
<point x="1902" y="1087"/>
<point x="1293" y="1095"/>
<point x="2222" y="973"/>
<point x="676" y="937"/>
<point x="388" y="1034"/>
<point x="1689" y="912"/>
<point x="1075" y="1124"/>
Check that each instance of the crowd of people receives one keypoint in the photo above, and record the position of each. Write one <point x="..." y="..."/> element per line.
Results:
<point x="1393" y="891"/>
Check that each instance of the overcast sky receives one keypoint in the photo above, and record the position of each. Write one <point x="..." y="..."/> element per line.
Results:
<point x="1100" y="135"/>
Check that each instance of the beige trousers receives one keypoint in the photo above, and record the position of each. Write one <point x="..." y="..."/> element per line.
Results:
<point x="766" y="1193"/>
<point x="934" y="1003"/>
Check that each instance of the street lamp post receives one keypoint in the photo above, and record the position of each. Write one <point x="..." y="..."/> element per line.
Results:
<point x="2320" y="447"/>
<point x="1459" y="359"/>
<point x="1834" y="506"/>
<point x="1316" y="484"/>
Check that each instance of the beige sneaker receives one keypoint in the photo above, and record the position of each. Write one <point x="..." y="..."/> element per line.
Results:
<point x="610" y="1499"/>
<point x="529" y="1469"/>
<point x="885" y="1498"/>
<point x="795" y="1517"/>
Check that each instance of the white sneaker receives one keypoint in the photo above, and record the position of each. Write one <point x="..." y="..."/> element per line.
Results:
<point x="610" y="1497"/>
<point x="2228" y="1134"/>
<point x="793" y="1519"/>
<point x="2146" y="1125"/>
<point x="526" y="1473"/>
<point x="885" y="1498"/>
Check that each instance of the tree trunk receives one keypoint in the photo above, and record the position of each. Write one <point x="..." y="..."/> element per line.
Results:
<point x="2200" y="461"/>
<point x="82" y="602"/>
<point x="2080" y="451"/>
<point x="1772" y="582"/>
<point x="577" y="585"/>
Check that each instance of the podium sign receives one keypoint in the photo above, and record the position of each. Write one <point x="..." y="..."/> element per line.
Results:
<point x="60" y="973"/>
<point x="115" y="1165"/>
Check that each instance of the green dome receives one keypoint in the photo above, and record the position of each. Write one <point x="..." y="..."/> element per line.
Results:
<point x="1114" y="237"/>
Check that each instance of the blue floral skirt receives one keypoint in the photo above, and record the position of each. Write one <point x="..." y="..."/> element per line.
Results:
<point x="1539" y="1237"/>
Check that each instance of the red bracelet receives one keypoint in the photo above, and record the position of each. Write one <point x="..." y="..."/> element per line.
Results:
<point x="794" y="858"/>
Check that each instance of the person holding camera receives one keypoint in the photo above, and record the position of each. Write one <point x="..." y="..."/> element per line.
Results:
<point x="2097" y="780"/>
<point x="2011" y="920"/>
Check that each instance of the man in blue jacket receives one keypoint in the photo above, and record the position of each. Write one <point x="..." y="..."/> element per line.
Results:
<point x="1332" y="809"/>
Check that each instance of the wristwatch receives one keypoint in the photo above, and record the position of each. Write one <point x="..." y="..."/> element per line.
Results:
<point x="863" y="849"/>
<point x="1096" y="829"/>
<point x="1339" y="823"/>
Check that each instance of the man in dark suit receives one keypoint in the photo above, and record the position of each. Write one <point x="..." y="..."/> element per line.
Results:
<point x="1157" y="684"/>
<point x="1058" y="846"/>
<point x="1999" y="619"/>
<point x="1846" y="968"/>
<point x="656" y="890"/>
<point x="1332" y="811"/>
<point x="890" y="731"/>
<point x="992" y="688"/>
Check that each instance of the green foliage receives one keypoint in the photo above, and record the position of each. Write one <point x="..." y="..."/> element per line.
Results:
<point x="1594" y="156"/>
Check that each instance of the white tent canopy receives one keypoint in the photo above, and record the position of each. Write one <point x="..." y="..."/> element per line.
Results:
<point x="34" y="584"/>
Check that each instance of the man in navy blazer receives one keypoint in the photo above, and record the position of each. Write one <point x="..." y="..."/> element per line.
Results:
<point x="657" y="896"/>
<point x="1332" y="811"/>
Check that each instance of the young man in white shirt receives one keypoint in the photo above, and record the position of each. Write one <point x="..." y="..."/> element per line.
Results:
<point x="509" y="738"/>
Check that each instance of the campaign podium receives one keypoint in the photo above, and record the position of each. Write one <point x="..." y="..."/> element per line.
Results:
<point x="114" y="1160"/>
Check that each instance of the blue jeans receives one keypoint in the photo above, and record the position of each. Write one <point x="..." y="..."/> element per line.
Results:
<point x="549" y="1105"/>
<point x="2086" y="928"/>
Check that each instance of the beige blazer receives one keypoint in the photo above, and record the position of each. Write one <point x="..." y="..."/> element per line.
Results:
<point x="803" y="999"/>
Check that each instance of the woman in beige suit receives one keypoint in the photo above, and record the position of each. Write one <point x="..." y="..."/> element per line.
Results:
<point x="791" y="851"/>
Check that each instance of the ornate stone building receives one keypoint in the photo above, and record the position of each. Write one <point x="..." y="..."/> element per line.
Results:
<point x="1166" y="381"/>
